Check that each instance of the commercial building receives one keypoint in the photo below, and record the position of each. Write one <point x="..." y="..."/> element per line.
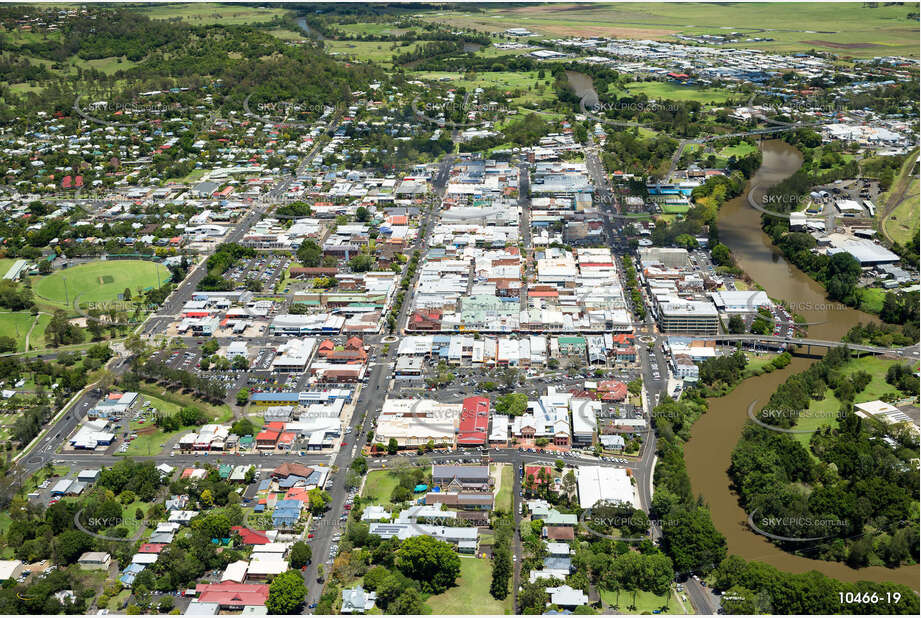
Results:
<point x="606" y="485"/>
<point x="416" y="422"/>
<point x="690" y="317"/>
<point x="474" y="422"/>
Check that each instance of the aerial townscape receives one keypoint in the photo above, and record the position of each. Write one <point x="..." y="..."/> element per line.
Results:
<point x="459" y="308"/>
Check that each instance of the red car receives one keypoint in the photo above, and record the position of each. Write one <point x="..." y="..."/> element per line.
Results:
<point x="310" y="536"/>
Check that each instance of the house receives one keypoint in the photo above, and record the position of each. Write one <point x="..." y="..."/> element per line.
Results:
<point x="566" y="597"/>
<point x="286" y="514"/>
<point x="357" y="601"/>
<point x="461" y="478"/>
<point x="233" y="596"/>
<point x="251" y="537"/>
<point x="373" y="512"/>
<point x="291" y="469"/>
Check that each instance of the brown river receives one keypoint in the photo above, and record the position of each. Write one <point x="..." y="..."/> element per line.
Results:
<point x="715" y="434"/>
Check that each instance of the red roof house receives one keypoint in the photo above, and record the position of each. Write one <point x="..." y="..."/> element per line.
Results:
<point x="250" y="536"/>
<point x="232" y="596"/>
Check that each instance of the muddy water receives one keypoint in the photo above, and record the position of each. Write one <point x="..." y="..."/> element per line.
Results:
<point x="715" y="434"/>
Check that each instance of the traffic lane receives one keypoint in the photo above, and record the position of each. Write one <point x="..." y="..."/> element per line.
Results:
<point x="700" y="597"/>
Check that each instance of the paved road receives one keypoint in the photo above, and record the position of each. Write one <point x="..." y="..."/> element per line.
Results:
<point x="700" y="597"/>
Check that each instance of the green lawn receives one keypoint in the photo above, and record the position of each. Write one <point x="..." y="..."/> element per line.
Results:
<point x="373" y="51"/>
<point x="824" y="412"/>
<point x="739" y="150"/>
<point x="902" y="224"/>
<point x="506" y="482"/>
<point x="210" y="13"/>
<point x="756" y="363"/>
<point x="378" y="487"/>
<point x="375" y="28"/>
<point x="646" y="602"/>
<point x="102" y="281"/>
<point x="471" y="594"/>
<point x="151" y="443"/>
<point x="17" y="325"/>
<point x="6" y="264"/>
<point x="509" y="80"/>
<point x="872" y="300"/>
<point x="676" y="92"/>
<point x="220" y="414"/>
<point x="109" y="66"/>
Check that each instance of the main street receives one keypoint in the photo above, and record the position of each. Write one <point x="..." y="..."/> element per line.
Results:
<point x="370" y="400"/>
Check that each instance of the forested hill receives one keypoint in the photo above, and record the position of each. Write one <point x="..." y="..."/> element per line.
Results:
<point x="163" y="54"/>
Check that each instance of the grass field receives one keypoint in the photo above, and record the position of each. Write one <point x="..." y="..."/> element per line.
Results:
<point x="151" y="442"/>
<point x="646" y="602"/>
<point x="378" y="487"/>
<point x="220" y="414"/>
<point x="500" y="79"/>
<point x="848" y="29"/>
<point x="872" y="300"/>
<point x="367" y="51"/>
<point x="676" y="92"/>
<point x="98" y="281"/>
<point x="506" y="482"/>
<point x="205" y="14"/>
<point x="375" y="28"/>
<point x="823" y="412"/>
<point x="741" y="149"/>
<point x="288" y="35"/>
<point x="109" y="66"/>
<point x="902" y="224"/>
<point x="16" y="325"/>
<point x="471" y="594"/>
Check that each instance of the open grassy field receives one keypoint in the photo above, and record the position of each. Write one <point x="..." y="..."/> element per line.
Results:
<point x="646" y="602"/>
<point x="98" y="281"/>
<point x="902" y="224"/>
<point x="741" y="149"/>
<point x="109" y="66"/>
<point x="509" y="80"/>
<point x="676" y="92"/>
<point x="824" y="411"/>
<point x="287" y="35"/>
<point x="378" y="487"/>
<point x="471" y="594"/>
<point x="506" y="481"/>
<point x="16" y="325"/>
<point x="375" y="28"/>
<point x="842" y="28"/>
<point x="210" y="13"/>
<point x="368" y="51"/>
<point x="220" y="414"/>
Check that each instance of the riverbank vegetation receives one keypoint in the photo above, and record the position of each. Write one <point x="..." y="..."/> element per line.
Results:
<point x="853" y="488"/>
<point x="689" y="537"/>
<point x="758" y="588"/>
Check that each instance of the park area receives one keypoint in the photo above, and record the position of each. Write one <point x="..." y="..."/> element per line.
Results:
<point x="98" y="282"/>
<point x="470" y="595"/>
